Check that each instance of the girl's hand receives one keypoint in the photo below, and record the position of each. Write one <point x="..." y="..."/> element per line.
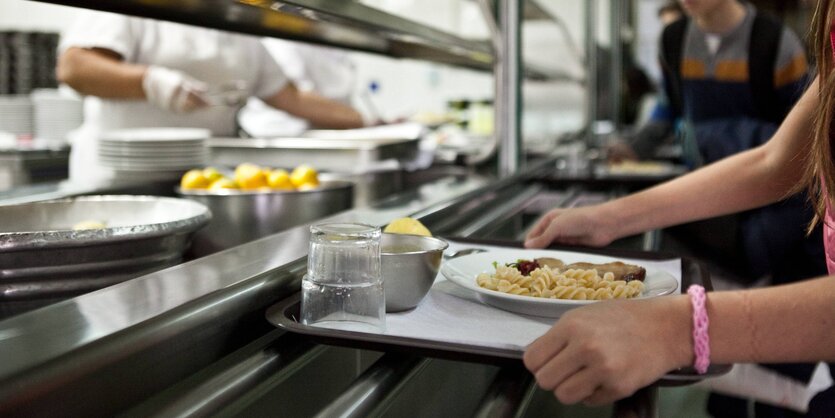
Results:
<point x="577" y="226"/>
<point x="606" y="351"/>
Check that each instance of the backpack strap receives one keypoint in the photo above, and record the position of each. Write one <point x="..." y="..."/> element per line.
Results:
<point x="672" y="45"/>
<point x="764" y="46"/>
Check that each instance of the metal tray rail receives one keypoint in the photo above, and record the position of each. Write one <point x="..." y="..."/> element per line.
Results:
<point x="276" y="356"/>
<point x="370" y="393"/>
<point x="509" y="394"/>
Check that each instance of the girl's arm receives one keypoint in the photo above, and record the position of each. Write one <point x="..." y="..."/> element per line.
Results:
<point x="607" y="351"/>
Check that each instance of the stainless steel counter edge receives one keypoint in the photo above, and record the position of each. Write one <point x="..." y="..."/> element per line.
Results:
<point x="41" y="336"/>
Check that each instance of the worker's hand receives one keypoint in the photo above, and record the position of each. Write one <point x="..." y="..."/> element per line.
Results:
<point x="574" y="226"/>
<point x="619" y="150"/>
<point x="606" y="351"/>
<point x="173" y="90"/>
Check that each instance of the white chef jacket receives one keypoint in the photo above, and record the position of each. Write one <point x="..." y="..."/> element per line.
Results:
<point x="208" y="55"/>
<point x="327" y="71"/>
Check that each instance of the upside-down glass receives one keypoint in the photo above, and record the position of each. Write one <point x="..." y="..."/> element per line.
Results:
<point x="343" y="287"/>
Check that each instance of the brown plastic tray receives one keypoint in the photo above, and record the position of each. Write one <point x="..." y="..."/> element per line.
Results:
<point x="285" y="315"/>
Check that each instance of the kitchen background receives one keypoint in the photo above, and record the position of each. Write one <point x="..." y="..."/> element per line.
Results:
<point x="551" y="108"/>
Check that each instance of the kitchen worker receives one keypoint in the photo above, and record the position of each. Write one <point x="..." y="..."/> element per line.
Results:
<point x="731" y="73"/>
<point x="328" y="72"/>
<point x="140" y="73"/>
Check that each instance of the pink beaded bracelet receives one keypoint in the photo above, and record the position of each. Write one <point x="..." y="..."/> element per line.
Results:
<point x="701" y="340"/>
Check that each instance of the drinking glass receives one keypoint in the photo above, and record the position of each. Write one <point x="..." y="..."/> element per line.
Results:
<point x="343" y="287"/>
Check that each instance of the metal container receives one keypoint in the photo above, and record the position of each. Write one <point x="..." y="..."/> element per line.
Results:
<point x="240" y="216"/>
<point x="23" y="166"/>
<point x="371" y="186"/>
<point x="409" y="265"/>
<point x="332" y="149"/>
<point x="43" y="258"/>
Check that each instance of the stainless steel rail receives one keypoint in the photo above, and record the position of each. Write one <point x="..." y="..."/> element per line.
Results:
<point x="373" y="390"/>
<point x="507" y="207"/>
<point x="591" y="69"/>
<point x="447" y="217"/>
<point x="277" y="356"/>
<point x="508" y="87"/>
<point x="85" y="345"/>
<point x="616" y="9"/>
<point x="642" y="404"/>
<point x="509" y="394"/>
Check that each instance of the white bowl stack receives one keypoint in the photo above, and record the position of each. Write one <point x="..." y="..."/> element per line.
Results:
<point x="16" y="114"/>
<point x="153" y="153"/>
<point x="56" y="114"/>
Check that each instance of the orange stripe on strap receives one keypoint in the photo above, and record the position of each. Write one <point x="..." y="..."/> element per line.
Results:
<point x="734" y="71"/>
<point x="691" y="68"/>
<point x="791" y="72"/>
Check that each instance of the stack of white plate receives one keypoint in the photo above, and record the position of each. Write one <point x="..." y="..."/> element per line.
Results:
<point x="16" y="114"/>
<point x="153" y="153"/>
<point x="56" y="114"/>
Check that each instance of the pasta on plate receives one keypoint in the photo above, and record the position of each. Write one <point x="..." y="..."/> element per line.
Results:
<point x="545" y="282"/>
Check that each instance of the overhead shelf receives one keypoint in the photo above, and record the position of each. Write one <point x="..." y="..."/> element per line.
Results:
<point x="337" y="23"/>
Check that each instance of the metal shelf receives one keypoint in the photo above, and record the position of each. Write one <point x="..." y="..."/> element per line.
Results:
<point x="337" y="23"/>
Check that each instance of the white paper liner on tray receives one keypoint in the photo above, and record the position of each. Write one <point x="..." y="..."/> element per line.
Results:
<point x="452" y="314"/>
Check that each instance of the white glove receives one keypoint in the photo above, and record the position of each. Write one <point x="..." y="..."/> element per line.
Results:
<point x="173" y="90"/>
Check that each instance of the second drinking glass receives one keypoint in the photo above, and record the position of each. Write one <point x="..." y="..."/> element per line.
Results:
<point x="343" y="287"/>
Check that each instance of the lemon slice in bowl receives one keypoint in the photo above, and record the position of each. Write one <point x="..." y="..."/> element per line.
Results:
<point x="90" y="224"/>
<point x="407" y="226"/>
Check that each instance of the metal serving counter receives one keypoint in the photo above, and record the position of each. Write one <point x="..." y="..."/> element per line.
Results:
<point x="192" y="339"/>
<point x="25" y="166"/>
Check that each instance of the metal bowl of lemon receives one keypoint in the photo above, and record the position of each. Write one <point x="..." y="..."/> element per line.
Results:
<point x="258" y="202"/>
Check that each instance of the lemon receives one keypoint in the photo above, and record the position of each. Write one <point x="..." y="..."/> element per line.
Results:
<point x="194" y="179"/>
<point x="250" y="176"/>
<point x="223" y="183"/>
<point x="212" y="174"/>
<point x="280" y="179"/>
<point x="307" y="186"/>
<point x="304" y="174"/>
<point x="407" y="226"/>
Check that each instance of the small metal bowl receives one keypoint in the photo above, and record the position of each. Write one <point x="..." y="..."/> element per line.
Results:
<point x="409" y="265"/>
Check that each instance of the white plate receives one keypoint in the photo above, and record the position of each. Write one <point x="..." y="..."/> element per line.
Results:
<point x="463" y="271"/>
<point x="157" y="135"/>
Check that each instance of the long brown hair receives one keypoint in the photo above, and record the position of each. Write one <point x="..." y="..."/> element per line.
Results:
<point x="820" y="172"/>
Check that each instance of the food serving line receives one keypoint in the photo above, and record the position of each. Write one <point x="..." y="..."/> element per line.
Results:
<point x="193" y="339"/>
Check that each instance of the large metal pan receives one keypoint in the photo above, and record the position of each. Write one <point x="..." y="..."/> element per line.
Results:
<point x="42" y="257"/>
<point x="240" y="216"/>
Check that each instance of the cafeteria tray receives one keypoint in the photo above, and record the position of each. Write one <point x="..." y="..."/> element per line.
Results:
<point x="345" y="151"/>
<point x="598" y="176"/>
<point x="285" y="315"/>
<point x="346" y="156"/>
